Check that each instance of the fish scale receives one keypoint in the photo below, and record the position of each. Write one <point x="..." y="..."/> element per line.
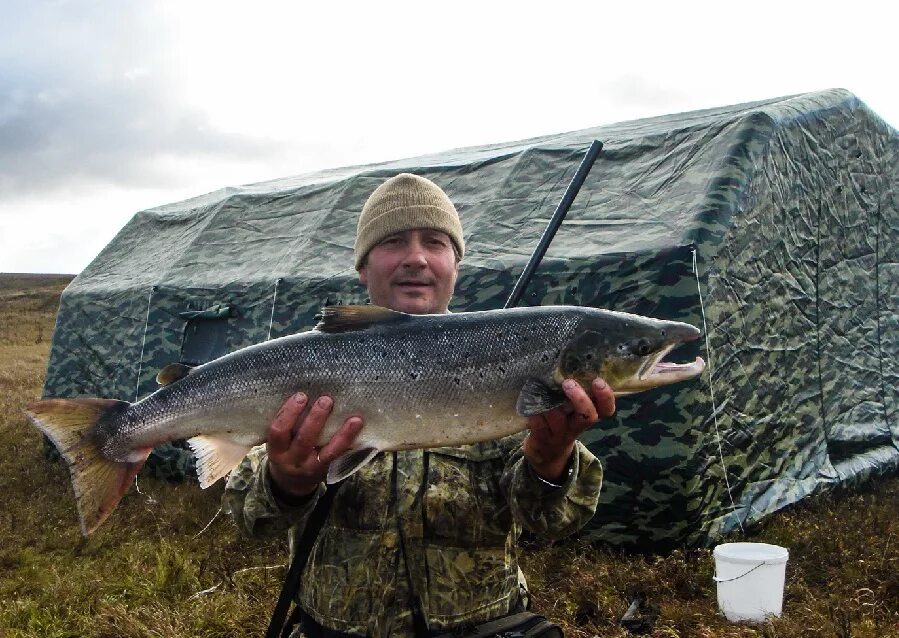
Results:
<point x="417" y="381"/>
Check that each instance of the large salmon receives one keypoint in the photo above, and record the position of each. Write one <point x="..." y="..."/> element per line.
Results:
<point x="418" y="381"/>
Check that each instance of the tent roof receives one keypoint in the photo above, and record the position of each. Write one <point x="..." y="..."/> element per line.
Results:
<point x="655" y="185"/>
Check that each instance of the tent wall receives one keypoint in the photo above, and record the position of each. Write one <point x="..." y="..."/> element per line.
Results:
<point x="798" y="312"/>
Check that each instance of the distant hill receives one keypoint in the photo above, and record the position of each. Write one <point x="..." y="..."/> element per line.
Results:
<point x="30" y="291"/>
<point x="23" y="280"/>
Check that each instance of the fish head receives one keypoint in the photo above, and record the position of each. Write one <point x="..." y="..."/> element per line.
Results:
<point x="627" y="351"/>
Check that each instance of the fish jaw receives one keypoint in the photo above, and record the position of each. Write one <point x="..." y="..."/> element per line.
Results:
<point x="656" y="373"/>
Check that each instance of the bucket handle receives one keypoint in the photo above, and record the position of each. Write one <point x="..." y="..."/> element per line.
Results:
<point x="746" y="573"/>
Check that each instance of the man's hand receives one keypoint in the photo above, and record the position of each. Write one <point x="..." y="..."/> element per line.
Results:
<point x="296" y="465"/>
<point x="550" y="443"/>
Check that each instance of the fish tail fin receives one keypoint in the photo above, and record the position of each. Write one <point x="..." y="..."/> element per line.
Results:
<point x="99" y="482"/>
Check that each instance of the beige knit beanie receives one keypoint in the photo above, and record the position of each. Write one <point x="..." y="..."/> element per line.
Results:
<point x="405" y="202"/>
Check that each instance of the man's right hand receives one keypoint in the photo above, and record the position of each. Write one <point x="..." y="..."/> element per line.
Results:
<point x="296" y="464"/>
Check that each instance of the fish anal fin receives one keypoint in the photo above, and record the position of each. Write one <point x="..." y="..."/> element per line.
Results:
<point x="217" y="455"/>
<point x="536" y="398"/>
<point x="350" y="463"/>
<point x="356" y="317"/>
<point x="173" y="372"/>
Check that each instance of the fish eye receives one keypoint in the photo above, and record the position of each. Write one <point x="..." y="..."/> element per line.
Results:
<point x="643" y="348"/>
<point x="622" y="347"/>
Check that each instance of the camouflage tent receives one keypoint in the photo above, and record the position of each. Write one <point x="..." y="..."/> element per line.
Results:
<point x="773" y="224"/>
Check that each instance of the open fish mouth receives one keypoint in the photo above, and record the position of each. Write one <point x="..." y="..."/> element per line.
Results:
<point x="655" y="371"/>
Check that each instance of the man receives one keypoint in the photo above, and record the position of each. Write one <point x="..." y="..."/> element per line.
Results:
<point x="419" y="537"/>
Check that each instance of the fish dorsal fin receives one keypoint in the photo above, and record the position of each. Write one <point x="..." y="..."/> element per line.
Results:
<point x="349" y="463"/>
<point x="173" y="372"/>
<point x="349" y="318"/>
<point x="536" y="398"/>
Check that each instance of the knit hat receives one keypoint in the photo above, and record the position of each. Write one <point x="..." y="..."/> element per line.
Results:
<point x="404" y="202"/>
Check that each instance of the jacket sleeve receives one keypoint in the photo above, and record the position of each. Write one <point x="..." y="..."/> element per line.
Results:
<point x="550" y="511"/>
<point x="248" y="498"/>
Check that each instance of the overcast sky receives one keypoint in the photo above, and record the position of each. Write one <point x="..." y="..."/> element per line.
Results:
<point x="108" y="107"/>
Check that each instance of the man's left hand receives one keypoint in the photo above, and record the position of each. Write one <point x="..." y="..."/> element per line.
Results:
<point x="550" y="442"/>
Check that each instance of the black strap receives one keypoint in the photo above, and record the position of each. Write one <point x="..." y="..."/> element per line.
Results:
<point x="523" y="624"/>
<point x="304" y="547"/>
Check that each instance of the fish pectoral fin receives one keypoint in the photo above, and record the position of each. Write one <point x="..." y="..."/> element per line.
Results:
<point x="536" y="398"/>
<point x="350" y="463"/>
<point x="216" y="456"/>
<point x="173" y="372"/>
<point x="336" y="319"/>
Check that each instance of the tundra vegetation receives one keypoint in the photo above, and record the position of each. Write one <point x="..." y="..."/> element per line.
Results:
<point x="166" y="565"/>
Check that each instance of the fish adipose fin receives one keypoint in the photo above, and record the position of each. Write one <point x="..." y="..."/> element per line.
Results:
<point x="336" y="319"/>
<point x="216" y="456"/>
<point x="99" y="483"/>
<point x="173" y="372"/>
<point x="350" y="463"/>
<point x="536" y="398"/>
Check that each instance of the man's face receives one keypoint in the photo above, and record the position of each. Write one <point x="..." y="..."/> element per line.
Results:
<point x="412" y="271"/>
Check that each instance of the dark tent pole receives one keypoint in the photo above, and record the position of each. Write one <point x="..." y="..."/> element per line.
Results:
<point x="554" y="223"/>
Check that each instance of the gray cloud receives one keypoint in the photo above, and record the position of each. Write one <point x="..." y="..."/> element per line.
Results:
<point x="84" y="98"/>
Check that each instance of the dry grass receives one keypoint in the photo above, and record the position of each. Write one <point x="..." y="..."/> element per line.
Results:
<point x="147" y="572"/>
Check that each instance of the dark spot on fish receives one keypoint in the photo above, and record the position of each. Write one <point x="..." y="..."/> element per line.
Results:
<point x="502" y="370"/>
<point x="414" y="375"/>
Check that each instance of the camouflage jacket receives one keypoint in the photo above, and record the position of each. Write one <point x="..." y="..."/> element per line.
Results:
<point x="447" y="517"/>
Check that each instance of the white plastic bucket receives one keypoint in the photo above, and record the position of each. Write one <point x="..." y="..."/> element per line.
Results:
<point x="750" y="578"/>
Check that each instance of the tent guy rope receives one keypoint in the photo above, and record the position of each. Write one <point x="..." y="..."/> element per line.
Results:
<point x="708" y="350"/>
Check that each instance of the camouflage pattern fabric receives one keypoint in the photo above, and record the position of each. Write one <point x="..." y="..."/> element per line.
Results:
<point x="787" y="207"/>
<point x="451" y="515"/>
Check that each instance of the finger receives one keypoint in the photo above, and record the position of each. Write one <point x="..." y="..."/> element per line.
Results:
<point x="312" y="426"/>
<point x="280" y="432"/>
<point x="580" y="400"/>
<point x="603" y="398"/>
<point x="342" y="440"/>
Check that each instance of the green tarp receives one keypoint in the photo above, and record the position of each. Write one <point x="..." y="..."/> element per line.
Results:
<point x="772" y="225"/>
